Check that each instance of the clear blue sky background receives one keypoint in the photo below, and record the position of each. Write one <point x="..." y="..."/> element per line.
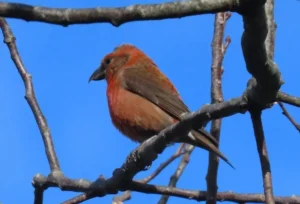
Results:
<point x="61" y="60"/>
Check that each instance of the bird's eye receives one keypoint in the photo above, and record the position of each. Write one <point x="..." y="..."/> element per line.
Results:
<point x="107" y="61"/>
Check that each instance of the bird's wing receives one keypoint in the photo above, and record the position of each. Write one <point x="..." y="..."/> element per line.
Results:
<point x="158" y="91"/>
<point x="155" y="89"/>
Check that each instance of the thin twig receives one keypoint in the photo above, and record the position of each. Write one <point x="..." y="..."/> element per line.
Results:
<point x="127" y="195"/>
<point x="9" y="39"/>
<point x="263" y="155"/>
<point x="218" y="53"/>
<point x="289" y="117"/>
<point x="178" y="172"/>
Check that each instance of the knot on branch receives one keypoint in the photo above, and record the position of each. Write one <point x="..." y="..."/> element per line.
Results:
<point x="264" y="94"/>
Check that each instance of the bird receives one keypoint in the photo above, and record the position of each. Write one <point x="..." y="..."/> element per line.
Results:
<point x="142" y="101"/>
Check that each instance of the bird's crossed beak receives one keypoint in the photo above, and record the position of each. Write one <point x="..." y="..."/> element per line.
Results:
<point x="98" y="74"/>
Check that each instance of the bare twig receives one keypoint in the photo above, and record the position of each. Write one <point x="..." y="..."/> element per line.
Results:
<point x="115" y="16"/>
<point x="178" y="172"/>
<point x="9" y="39"/>
<point x="263" y="155"/>
<point x="126" y="195"/>
<point x="289" y="117"/>
<point x="218" y="53"/>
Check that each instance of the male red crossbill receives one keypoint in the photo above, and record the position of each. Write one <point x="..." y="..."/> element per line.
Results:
<point x="142" y="100"/>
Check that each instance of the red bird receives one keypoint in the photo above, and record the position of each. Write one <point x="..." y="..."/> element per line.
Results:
<point x="142" y="100"/>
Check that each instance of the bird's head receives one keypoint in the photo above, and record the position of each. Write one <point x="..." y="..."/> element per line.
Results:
<point x="122" y="56"/>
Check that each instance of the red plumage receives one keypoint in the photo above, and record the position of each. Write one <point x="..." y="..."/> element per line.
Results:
<point x="142" y="100"/>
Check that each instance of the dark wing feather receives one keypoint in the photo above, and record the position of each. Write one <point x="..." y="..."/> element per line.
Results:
<point x="149" y="86"/>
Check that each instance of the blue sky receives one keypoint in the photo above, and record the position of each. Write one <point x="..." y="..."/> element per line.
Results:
<point x="61" y="60"/>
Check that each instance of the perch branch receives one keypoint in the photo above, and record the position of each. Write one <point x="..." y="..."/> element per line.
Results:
<point x="218" y="53"/>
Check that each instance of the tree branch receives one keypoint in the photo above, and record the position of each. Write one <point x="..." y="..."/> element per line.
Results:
<point x="41" y="121"/>
<point x="263" y="155"/>
<point x="266" y="81"/>
<point x="97" y="187"/>
<point x="218" y="53"/>
<point x="115" y="16"/>
<point x="38" y="195"/>
<point x="178" y="172"/>
<point x="286" y="98"/>
<point x="270" y="39"/>
<point x="289" y="117"/>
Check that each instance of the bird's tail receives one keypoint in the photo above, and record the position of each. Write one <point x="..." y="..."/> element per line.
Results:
<point x="201" y="138"/>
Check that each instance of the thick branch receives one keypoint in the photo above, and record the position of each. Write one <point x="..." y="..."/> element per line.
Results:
<point x="38" y="195"/>
<point x="286" y="98"/>
<point x="115" y="16"/>
<point x="218" y="52"/>
<point x="9" y="39"/>
<point x="263" y="88"/>
<point x="263" y="155"/>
